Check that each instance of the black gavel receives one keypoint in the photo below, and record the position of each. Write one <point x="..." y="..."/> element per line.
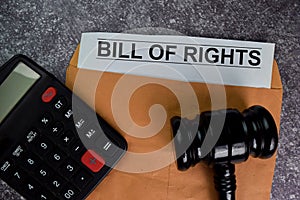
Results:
<point x="252" y="132"/>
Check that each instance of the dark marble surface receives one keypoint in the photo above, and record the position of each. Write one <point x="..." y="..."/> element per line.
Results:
<point x="48" y="31"/>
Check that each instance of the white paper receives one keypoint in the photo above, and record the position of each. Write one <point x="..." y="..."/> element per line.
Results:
<point x="192" y="59"/>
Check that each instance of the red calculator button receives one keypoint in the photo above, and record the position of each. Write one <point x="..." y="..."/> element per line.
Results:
<point x="49" y="94"/>
<point x="92" y="160"/>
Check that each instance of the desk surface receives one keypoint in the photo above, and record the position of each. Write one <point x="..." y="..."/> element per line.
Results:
<point x="49" y="31"/>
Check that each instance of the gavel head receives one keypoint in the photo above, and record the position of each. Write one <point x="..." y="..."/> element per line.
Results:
<point x="252" y="132"/>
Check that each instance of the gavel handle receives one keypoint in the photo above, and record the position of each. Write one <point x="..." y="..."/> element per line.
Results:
<point x="225" y="182"/>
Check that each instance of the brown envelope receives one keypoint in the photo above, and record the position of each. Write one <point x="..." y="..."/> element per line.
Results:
<point x="254" y="177"/>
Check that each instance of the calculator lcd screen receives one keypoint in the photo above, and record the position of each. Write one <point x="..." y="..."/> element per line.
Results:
<point x="15" y="87"/>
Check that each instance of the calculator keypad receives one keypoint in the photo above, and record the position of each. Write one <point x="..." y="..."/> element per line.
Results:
<point x="51" y="162"/>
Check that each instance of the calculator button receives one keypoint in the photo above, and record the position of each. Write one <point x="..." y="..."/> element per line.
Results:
<point x="82" y="178"/>
<point x="80" y="123"/>
<point x="77" y="149"/>
<point x="60" y="104"/>
<point x="69" y="192"/>
<point x="57" y="128"/>
<point x="31" y="187"/>
<point x="69" y="113"/>
<point x="43" y="173"/>
<point x="56" y="158"/>
<point x="6" y="168"/>
<point x="68" y="168"/>
<point x="19" y="176"/>
<point x="43" y="146"/>
<point x="15" y="176"/>
<point x="32" y="136"/>
<point x="56" y="183"/>
<point x="91" y="134"/>
<point x="67" y="137"/>
<point x="92" y="160"/>
<point x="18" y="152"/>
<point x="46" y="119"/>
<point x="106" y="147"/>
<point x="49" y="94"/>
<point x="44" y="195"/>
<point x="30" y="162"/>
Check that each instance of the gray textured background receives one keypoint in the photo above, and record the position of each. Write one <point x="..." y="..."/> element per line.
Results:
<point x="48" y="31"/>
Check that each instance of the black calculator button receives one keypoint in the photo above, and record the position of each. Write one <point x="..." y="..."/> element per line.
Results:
<point x="30" y="161"/>
<point x="60" y="104"/>
<point x="56" y="183"/>
<point x="43" y="146"/>
<point x="6" y="168"/>
<point x="44" y="195"/>
<point x="48" y="94"/>
<point x="31" y="187"/>
<point x="46" y="119"/>
<point x="67" y="137"/>
<point x="56" y="129"/>
<point x="18" y="151"/>
<point x="77" y="149"/>
<point x="15" y="176"/>
<point x="43" y="173"/>
<point x="68" y="168"/>
<point x="82" y="178"/>
<point x="32" y="136"/>
<point x="18" y="176"/>
<point x="56" y="158"/>
<point x="69" y="192"/>
<point x="68" y="113"/>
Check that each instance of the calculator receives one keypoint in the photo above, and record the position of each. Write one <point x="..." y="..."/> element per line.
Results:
<point x="52" y="144"/>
